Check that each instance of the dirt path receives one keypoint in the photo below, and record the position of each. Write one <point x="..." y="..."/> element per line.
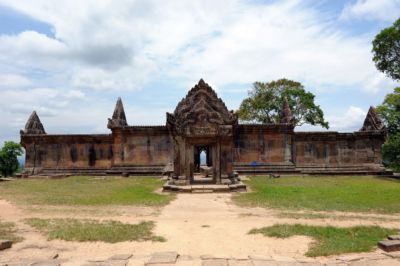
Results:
<point x="200" y="224"/>
<point x="193" y="224"/>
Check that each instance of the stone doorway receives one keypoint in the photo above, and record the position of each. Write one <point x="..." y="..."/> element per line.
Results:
<point x="203" y="164"/>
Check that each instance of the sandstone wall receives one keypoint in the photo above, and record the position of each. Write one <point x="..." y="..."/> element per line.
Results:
<point x="337" y="149"/>
<point x="67" y="151"/>
<point x="269" y="144"/>
<point x="135" y="146"/>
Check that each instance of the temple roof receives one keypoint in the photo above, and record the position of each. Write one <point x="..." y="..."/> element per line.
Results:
<point x="118" y="119"/>
<point x="34" y="125"/>
<point x="201" y="106"/>
<point x="372" y="121"/>
<point x="287" y="117"/>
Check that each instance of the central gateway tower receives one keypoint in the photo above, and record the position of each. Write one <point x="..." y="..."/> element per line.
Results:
<point x="202" y="123"/>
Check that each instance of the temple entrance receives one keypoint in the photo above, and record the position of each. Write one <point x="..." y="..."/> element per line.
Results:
<point x="203" y="164"/>
<point x="202" y="157"/>
<point x="202" y="130"/>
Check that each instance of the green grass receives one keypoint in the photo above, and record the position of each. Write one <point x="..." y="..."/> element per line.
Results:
<point x="357" y="194"/>
<point x="83" y="190"/>
<point x="8" y="232"/>
<point x="330" y="240"/>
<point x="297" y="215"/>
<point x="90" y="230"/>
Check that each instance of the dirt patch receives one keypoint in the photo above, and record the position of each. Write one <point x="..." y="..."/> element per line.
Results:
<point x="193" y="224"/>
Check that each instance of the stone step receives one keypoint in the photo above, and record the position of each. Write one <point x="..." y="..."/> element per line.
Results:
<point x="394" y="237"/>
<point x="204" y="188"/>
<point x="4" y="244"/>
<point x="389" y="245"/>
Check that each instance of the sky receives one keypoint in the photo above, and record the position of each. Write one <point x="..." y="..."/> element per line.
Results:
<point x="71" y="60"/>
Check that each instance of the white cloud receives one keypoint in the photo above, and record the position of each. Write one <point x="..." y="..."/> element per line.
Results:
<point x="125" y="44"/>
<point x="351" y="120"/>
<point x="106" y="45"/>
<point x="47" y="101"/>
<point x="385" y="10"/>
<point x="13" y="81"/>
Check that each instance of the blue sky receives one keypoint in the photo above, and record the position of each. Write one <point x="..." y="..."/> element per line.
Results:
<point x="70" y="60"/>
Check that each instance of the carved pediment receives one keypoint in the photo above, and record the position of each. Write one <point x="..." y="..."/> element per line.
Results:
<point x="372" y="121"/>
<point x="200" y="111"/>
<point x="118" y="119"/>
<point x="33" y="125"/>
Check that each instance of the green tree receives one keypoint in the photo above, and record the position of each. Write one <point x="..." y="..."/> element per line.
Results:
<point x="389" y="111"/>
<point x="386" y="50"/>
<point x="391" y="152"/>
<point x="265" y="101"/>
<point x="9" y="158"/>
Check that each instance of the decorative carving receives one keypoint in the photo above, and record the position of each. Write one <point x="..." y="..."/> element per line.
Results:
<point x="33" y="125"/>
<point x="372" y="121"/>
<point x="118" y="119"/>
<point x="201" y="131"/>
<point x="287" y="117"/>
<point x="225" y="130"/>
<point x="200" y="109"/>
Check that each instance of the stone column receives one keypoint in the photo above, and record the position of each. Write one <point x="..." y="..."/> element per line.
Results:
<point x="288" y="148"/>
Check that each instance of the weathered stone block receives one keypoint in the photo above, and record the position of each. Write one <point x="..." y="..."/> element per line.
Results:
<point x="163" y="257"/>
<point x="265" y="263"/>
<point x="216" y="262"/>
<point x="4" y="244"/>
<point x="394" y="237"/>
<point x="121" y="257"/>
<point x="389" y="245"/>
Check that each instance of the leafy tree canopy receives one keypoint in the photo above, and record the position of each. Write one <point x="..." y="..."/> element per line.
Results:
<point x="265" y="101"/>
<point x="386" y="51"/>
<point x="9" y="158"/>
<point x="391" y="152"/>
<point x="389" y="111"/>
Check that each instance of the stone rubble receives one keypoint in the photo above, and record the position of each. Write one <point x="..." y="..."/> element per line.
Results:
<point x="4" y="244"/>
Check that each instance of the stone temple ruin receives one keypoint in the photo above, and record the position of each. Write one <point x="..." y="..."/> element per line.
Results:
<point x="201" y="123"/>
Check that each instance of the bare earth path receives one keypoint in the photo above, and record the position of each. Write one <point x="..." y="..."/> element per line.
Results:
<point x="196" y="226"/>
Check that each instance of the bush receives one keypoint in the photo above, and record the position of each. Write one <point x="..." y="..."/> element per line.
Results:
<point x="9" y="158"/>
<point x="391" y="152"/>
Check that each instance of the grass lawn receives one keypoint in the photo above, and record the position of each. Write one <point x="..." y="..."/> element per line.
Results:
<point x="7" y="231"/>
<point x="330" y="240"/>
<point x="90" y="230"/>
<point x="84" y="190"/>
<point x="326" y="193"/>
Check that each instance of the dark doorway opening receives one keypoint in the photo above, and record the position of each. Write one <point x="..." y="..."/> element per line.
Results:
<point x="202" y="157"/>
<point x="203" y="164"/>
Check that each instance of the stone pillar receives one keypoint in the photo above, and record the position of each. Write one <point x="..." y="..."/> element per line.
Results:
<point x="217" y="162"/>
<point x="189" y="163"/>
<point x="288" y="148"/>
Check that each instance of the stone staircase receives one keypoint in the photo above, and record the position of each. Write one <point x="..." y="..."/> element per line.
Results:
<point x="266" y="169"/>
<point x="73" y="171"/>
<point x="126" y="170"/>
<point x="259" y="169"/>
<point x="136" y="170"/>
<point x="345" y="170"/>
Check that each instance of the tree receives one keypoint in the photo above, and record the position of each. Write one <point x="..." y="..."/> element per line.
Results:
<point x="9" y="158"/>
<point x="389" y="111"/>
<point x="386" y="50"/>
<point x="265" y="101"/>
<point x="391" y="152"/>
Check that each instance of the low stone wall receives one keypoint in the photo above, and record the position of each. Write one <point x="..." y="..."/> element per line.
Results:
<point x="333" y="149"/>
<point x="67" y="152"/>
